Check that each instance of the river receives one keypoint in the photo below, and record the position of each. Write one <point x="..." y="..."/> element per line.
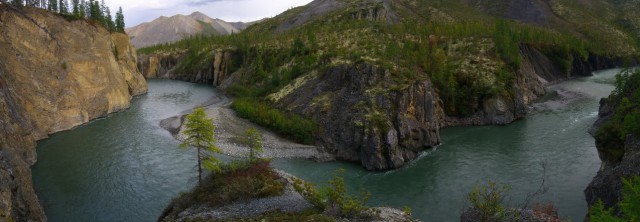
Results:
<point x="126" y="168"/>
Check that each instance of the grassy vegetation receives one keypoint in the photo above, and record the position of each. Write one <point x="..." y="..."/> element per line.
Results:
<point x="629" y="206"/>
<point x="235" y="181"/>
<point x="333" y="200"/>
<point x="611" y="136"/>
<point x="291" y="125"/>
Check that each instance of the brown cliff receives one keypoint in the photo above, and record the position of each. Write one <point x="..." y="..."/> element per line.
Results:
<point x="53" y="78"/>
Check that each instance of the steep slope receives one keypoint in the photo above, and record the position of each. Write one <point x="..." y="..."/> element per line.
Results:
<point x="617" y="134"/>
<point x="50" y="83"/>
<point x="177" y="27"/>
<point x="380" y="78"/>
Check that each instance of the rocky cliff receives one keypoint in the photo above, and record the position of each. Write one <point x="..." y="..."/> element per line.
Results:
<point x="364" y="119"/>
<point x="213" y="71"/>
<point x="618" y="144"/>
<point x="55" y="74"/>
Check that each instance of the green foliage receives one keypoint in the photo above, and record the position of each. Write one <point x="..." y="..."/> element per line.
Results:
<point x="629" y="206"/>
<point x="625" y="120"/>
<point x="199" y="132"/>
<point x="119" y="23"/>
<point x="254" y="140"/>
<point x="235" y="181"/>
<point x="334" y="200"/>
<point x="488" y="201"/>
<point x="290" y="125"/>
<point x="93" y="10"/>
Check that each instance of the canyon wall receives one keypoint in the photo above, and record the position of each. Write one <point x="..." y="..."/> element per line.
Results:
<point x="365" y="120"/>
<point x="55" y="74"/>
<point x="168" y="66"/>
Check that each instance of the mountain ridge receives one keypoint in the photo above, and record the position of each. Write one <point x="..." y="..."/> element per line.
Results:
<point x="174" y="28"/>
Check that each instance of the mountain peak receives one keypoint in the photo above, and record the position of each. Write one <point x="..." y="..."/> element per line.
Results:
<point x="200" y="16"/>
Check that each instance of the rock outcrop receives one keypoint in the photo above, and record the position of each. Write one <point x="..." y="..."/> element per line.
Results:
<point x="53" y="76"/>
<point x="167" y="66"/>
<point x="366" y="120"/>
<point x="607" y="184"/>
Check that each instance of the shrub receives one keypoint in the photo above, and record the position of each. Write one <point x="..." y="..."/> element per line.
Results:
<point x="289" y="125"/>
<point x="487" y="201"/>
<point x="334" y="200"/>
<point x="629" y="206"/>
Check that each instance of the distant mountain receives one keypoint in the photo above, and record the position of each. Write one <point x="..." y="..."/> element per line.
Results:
<point x="177" y="27"/>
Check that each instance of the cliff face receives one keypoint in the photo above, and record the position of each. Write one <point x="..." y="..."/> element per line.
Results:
<point x="364" y="120"/>
<point x="166" y="66"/>
<point x="52" y="81"/>
<point x="621" y="160"/>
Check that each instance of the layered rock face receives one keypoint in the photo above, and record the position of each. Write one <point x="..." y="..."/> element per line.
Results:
<point x="53" y="78"/>
<point x="607" y="184"/>
<point x="165" y="66"/>
<point x="365" y="120"/>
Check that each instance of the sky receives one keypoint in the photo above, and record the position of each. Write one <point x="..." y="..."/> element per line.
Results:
<point x="136" y="12"/>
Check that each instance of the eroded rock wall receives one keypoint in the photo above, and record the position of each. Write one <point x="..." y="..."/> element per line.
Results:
<point x="365" y="119"/>
<point x="52" y="81"/>
<point x="167" y="66"/>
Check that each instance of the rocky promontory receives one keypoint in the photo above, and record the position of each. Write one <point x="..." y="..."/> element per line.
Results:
<point x="618" y="143"/>
<point x="55" y="74"/>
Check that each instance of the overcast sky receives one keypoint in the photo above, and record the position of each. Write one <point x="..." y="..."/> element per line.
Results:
<point x="139" y="11"/>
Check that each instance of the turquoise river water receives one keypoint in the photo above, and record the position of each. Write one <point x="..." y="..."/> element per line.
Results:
<point x="126" y="168"/>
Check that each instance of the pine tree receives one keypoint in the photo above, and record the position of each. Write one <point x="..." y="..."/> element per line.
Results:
<point x="200" y="133"/>
<point x="82" y="11"/>
<point x="76" y="8"/>
<point x="64" y="7"/>
<point x="105" y="14"/>
<point x="119" y="21"/>
<point x="254" y="140"/>
<point x="17" y="2"/>
<point x="109" y="24"/>
<point x="52" y="5"/>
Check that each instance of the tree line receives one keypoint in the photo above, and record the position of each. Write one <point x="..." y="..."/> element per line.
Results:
<point x="95" y="10"/>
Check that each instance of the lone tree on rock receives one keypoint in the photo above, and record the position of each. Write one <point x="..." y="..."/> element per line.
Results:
<point x="200" y="133"/>
<point x="254" y="140"/>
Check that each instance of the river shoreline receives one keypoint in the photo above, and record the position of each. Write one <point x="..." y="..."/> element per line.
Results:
<point x="230" y="129"/>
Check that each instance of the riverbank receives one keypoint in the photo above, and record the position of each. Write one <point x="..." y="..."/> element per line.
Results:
<point x="230" y="130"/>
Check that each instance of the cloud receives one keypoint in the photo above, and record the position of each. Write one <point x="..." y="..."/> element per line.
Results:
<point x="201" y="2"/>
<point x="136" y="12"/>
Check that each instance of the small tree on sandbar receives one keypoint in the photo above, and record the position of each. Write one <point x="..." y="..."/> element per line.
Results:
<point x="200" y="134"/>
<point x="254" y="140"/>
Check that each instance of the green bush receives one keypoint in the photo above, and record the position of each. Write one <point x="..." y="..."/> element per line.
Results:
<point x="334" y="200"/>
<point x="625" y="120"/>
<point x="629" y="206"/>
<point x="487" y="200"/>
<point x="289" y="125"/>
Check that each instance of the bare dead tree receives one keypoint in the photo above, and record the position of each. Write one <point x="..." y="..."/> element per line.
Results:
<point x="542" y="189"/>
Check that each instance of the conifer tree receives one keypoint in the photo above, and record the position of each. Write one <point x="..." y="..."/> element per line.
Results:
<point x="52" y="5"/>
<point x="64" y="7"/>
<point x="200" y="133"/>
<point x="82" y="7"/>
<point x="76" y="8"/>
<point x="17" y="2"/>
<point x="254" y="140"/>
<point x="119" y="21"/>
